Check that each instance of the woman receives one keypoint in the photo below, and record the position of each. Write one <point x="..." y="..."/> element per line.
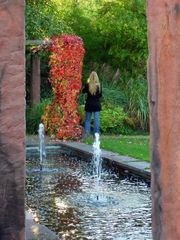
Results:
<point x="92" y="105"/>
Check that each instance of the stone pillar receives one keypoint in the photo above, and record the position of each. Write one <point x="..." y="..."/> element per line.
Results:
<point x="164" y="99"/>
<point x="35" y="80"/>
<point x="12" y="120"/>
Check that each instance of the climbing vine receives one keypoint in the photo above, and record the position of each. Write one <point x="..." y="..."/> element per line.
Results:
<point x="61" y="117"/>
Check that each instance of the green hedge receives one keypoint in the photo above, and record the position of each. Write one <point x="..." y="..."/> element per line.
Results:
<point x="113" y="119"/>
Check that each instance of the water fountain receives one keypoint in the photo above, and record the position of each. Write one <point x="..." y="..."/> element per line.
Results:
<point x="68" y="203"/>
<point x="42" y="150"/>
<point x="76" y="204"/>
<point x="97" y="161"/>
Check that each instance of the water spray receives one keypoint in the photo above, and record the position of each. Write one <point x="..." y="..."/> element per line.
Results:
<point x="42" y="150"/>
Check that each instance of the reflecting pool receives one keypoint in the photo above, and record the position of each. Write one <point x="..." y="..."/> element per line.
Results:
<point x="64" y="196"/>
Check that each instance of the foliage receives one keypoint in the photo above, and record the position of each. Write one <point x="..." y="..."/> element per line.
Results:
<point x="43" y="19"/>
<point x="61" y="118"/>
<point x="114" y="97"/>
<point x="127" y="92"/>
<point x="113" y="119"/>
<point x="122" y="25"/>
<point x="82" y="114"/>
<point x="34" y="115"/>
<point x="81" y="17"/>
<point x="138" y="109"/>
<point x="115" y="36"/>
<point x="114" y="33"/>
<point x="110" y="96"/>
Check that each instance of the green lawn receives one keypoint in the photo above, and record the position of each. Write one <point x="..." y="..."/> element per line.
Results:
<point x="133" y="146"/>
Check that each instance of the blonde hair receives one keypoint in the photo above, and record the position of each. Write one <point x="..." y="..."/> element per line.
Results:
<point x="93" y="82"/>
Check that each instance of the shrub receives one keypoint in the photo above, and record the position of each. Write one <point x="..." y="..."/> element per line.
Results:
<point x="113" y="119"/>
<point x="34" y="115"/>
<point x="114" y="97"/>
<point x="82" y="114"/>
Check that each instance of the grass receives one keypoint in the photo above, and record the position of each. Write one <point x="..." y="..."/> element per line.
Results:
<point x="132" y="146"/>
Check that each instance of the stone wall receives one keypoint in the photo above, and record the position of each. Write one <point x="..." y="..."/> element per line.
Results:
<point x="164" y="98"/>
<point x="12" y="120"/>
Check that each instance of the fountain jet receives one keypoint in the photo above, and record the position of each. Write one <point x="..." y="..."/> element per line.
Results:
<point x="42" y="150"/>
<point x="97" y="159"/>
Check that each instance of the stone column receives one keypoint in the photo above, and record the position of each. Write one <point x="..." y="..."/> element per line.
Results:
<point x="12" y="120"/>
<point x="164" y="99"/>
<point x="35" y="80"/>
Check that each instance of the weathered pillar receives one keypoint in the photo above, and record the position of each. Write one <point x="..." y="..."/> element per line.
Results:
<point x="12" y="121"/>
<point x="35" y="82"/>
<point x="164" y="98"/>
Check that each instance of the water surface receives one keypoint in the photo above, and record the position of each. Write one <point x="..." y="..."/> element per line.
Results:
<point x="65" y="197"/>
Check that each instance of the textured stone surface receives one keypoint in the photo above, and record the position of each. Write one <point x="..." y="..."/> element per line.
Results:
<point x="36" y="231"/>
<point x="12" y="124"/>
<point x="164" y="96"/>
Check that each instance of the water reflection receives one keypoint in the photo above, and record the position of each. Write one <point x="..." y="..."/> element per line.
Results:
<point x="67" y="201"/>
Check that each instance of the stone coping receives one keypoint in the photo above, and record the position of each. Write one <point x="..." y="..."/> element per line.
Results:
<point x="128" y="164"/>
<point x="36" y="231"/>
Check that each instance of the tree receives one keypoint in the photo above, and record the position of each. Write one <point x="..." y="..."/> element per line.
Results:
<point x="43" y="19"/>
<point x="122" y="25"/>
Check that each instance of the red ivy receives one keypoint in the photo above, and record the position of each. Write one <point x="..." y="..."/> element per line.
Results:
<point x="61" y="118"/>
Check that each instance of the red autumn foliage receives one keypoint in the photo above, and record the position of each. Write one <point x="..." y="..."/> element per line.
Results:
<point x="61" y="117"/>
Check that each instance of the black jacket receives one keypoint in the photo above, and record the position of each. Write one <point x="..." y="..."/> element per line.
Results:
<point x="92" y="101"/>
